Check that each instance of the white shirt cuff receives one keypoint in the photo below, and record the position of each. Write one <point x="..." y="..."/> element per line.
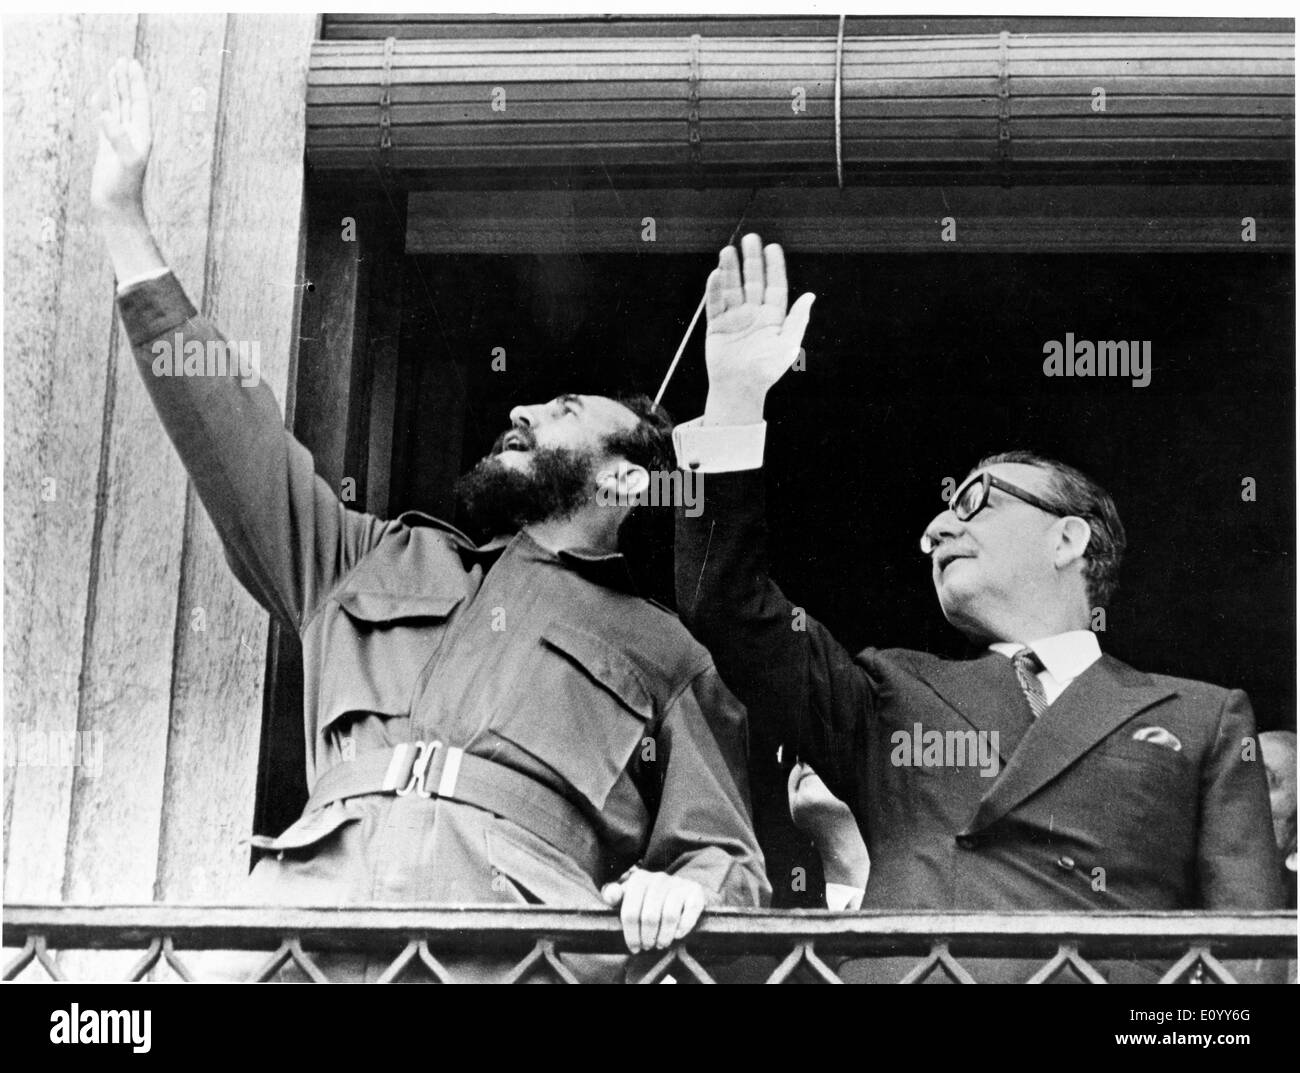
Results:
<point x="719" y="448"/>
<point x="840" y="896"/>
<point x="124" y="285"/>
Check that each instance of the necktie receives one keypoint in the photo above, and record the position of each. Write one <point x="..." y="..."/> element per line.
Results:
<point x="1027" y="666"/>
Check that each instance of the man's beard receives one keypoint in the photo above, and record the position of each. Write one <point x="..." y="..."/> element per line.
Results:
<point x="500" y="500"/>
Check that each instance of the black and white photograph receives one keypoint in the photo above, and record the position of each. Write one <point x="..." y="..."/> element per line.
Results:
<point x="750" y="497"/>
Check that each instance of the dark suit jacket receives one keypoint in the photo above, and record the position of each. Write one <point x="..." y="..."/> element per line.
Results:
<point x="1080" y="815"/>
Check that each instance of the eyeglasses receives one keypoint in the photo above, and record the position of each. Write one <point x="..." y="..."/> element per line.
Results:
<point x="973" y="496"/>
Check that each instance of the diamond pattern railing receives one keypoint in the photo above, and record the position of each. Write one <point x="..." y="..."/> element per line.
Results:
<point x="805" y="946"/>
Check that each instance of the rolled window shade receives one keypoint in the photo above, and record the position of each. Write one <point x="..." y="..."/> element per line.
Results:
<point x="710" y="111"/>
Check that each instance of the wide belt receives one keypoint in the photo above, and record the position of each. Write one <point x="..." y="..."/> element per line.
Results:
<point x="434" y="769"/>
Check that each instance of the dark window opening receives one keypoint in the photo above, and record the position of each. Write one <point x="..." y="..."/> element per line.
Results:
<point x="917" y="365"/>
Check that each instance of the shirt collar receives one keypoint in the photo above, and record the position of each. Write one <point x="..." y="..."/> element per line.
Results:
<point x="605" y="568"/>
<point x="1064" y="656"/>
<point x="609" y="569"/>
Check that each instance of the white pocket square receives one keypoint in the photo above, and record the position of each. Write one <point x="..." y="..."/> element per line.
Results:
<point x="1159" y="736"/>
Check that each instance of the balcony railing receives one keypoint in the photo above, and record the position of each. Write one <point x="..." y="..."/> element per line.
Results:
<point x="799" y="946"/>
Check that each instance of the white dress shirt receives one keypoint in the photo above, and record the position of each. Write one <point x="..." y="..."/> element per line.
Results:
<point x="1064" y="657"/>
<point x="841" y="896"/>
<point x="124" y="285"/>
<point x="719" y="448"/>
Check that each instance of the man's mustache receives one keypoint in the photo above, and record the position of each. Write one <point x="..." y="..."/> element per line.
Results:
<point x="521" y="433"/>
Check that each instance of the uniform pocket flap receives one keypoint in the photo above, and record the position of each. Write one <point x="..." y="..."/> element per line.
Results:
<point x="604" y="664"/>
<point x="307" y="830"/>
<point x="379" y="608"/>
<point x="543" y="874"/>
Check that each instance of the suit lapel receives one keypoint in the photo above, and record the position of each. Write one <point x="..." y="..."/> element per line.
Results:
<point x="987" y="695"/>
<point x="1101" y="699"/>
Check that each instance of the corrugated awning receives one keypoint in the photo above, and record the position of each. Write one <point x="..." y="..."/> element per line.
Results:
<point x="726" y="111"/>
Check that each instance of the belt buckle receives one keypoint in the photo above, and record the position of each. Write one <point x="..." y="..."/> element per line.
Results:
<point x="417" y="784"/>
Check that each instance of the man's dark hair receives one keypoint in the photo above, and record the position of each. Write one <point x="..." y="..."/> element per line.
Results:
<point x="650" y="443"/>
<point x="1078" y="494"/>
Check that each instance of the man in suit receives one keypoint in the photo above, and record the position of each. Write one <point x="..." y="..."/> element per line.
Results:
<point x="1041" y="774"/>
<point x="503" y="723"/>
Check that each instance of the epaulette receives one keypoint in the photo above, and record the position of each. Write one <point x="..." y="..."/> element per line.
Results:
<point x="419" y="518"/>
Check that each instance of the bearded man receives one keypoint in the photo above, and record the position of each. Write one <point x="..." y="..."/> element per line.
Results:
<point x="497" y="723"/>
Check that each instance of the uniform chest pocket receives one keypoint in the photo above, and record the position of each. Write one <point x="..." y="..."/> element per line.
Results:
<point x="380" y="610"/>
<point x="582" y="707"/>
<point x="375" y="646"/>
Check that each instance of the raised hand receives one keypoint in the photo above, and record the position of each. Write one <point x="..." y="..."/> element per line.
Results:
<point x="125" y="138"/>
<point x="752" y="340"/>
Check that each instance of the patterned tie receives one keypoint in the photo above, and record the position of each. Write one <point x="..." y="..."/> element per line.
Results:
<point x="1027" y="666"/>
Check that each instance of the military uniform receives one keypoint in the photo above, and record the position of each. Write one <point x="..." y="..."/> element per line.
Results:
<point x="498" y="724"/>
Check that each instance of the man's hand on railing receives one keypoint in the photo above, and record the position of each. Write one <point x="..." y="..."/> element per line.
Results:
<point x="657" y="909"/>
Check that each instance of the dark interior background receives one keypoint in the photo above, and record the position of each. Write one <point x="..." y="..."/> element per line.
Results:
<point x="917" y="365"/>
